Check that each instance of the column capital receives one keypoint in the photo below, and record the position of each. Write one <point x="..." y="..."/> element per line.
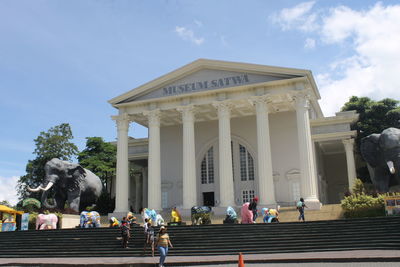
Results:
<point x="122" y="121"/>
<point x="302" y="100"/>
<point x="348" y="143"/>
<point x="187" y="112"/>
<point x="153" y="116"/>
<point x="263" y="99"/>
<point x="263" y="102"/>
<point x="223" y="107"/>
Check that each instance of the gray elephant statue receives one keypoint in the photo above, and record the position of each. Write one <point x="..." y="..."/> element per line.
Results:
<point x="382" y="154"/>
<point x="72" y="183"/>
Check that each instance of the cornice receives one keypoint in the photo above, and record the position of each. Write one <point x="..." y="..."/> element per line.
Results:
<point x="334" y="120"/>
<point x="334" y="136"/>
<point x="267" y="85"/>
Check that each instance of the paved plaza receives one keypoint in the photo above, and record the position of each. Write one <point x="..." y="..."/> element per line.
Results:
<point x="327" y="259"/>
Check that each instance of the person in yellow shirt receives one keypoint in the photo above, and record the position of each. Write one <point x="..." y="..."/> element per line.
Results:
<point x="175" y="216"/>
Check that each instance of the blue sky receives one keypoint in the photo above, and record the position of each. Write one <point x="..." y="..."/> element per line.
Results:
<point x="60" y="61"/>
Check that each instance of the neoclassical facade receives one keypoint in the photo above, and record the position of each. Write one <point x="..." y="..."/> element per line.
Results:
<point x="220" y="133"/>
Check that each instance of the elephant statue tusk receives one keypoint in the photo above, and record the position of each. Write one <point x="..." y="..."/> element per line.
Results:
<point x="49" y="185"/>
<point x="35" y="189"/>
<point x="391" y="167"/>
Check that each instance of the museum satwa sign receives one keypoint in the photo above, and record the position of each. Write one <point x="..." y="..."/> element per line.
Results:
<point x="205" y="85"/>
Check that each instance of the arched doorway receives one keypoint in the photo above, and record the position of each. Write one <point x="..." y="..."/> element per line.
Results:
<point x="244" y="173"/>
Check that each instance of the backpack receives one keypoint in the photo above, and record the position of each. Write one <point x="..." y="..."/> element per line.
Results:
<point x="299" y="205"/>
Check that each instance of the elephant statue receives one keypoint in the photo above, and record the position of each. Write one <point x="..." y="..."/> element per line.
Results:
<point x="200" y="215"/>
<point x="231" y="216"/>
<point x="150" y="215"/>
<point x="159" y="220"/>
<point x="89" y="219"/>
<point x="382" y="154"/>
<point x="247" y="215"/>
<point x="46" y="221"/>
<point x="72" y="183"/>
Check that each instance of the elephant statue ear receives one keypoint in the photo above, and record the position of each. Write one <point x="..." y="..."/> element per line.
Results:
<point x="369" y="149"/>
<point x="77" y="171"/>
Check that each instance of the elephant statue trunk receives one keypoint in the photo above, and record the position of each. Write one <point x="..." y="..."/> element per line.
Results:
<point x="45" y="202"/>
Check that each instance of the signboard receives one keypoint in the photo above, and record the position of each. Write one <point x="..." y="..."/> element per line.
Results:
<point x="392" y="206"/>
<point x="24" y="221"/>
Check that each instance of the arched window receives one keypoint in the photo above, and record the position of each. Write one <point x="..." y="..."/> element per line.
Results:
<point x="246" y="164"/>
<point x="207" y="167"/>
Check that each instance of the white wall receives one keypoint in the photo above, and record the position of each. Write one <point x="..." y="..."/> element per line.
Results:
<point x="285" y="151"/>
<point x="171" y="163"/>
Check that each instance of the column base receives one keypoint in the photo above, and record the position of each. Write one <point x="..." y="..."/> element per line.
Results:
<point x="313" y="203"/>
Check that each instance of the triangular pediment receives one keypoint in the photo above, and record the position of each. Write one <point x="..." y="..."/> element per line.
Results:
<point x="204" y="75"/>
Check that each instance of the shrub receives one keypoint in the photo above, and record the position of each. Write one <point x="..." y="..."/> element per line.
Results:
<point x="358" y="187"/>
<point x="362" y="205"/>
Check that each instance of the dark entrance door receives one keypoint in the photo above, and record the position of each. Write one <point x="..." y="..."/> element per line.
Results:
<point x="208" y="199"/>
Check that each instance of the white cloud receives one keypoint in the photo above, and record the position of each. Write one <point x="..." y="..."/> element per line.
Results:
<point x="188" y="35"/>
<point x="371" y="35"/>
<point x="198" y="23"/>
<point x="373" y="69"/>
<point x="7" y="189"/>
<point x="309" y="43"/>
<point x="298" y="17"/>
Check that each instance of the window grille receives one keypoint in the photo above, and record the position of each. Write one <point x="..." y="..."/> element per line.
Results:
<point x="207" y="167"/>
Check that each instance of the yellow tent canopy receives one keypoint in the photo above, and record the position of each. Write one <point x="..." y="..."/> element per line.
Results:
<point x="9" y="210"/>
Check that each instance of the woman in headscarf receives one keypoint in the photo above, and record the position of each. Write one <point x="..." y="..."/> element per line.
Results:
<point x="162" y="244"/>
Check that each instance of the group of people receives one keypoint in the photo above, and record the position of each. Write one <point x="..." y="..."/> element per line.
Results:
<point x="250" y="213"/>
<point x="269" y="215"/>
<point x="160" y="241"/>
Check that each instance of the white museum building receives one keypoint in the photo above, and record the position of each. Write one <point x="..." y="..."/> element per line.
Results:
<point x="220" y="133"/>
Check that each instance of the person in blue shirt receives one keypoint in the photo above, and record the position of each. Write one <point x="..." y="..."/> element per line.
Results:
<point x="300" y="206"/>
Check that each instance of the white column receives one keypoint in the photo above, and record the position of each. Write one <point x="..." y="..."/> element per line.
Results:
<point x="189" y="164"/>
<point x="154" y="162"/>
<point x="306" y="153"/>
<point x="351" y="166"/>
<point x="225" y="154"/>
<point x="145" y="188"/>
<point x="122" y="178"/>
<point x="138" y="191"/>
<point x="265" y="173"/>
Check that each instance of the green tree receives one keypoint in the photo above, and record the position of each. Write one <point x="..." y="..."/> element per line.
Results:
<point x="101" y="158"/>
<point x="375" y="116"/>
<point x="55" y="143"/>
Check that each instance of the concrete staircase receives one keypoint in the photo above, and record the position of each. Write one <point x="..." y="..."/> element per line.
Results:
<point x="377" y="233"/>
